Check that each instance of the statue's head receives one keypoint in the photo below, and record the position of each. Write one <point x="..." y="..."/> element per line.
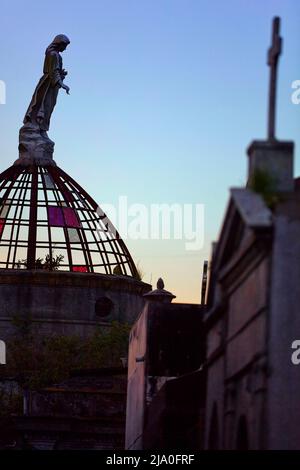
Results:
<point x="60" y="42"/>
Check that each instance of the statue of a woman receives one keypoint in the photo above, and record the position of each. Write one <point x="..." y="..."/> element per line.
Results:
<point x="34" y="143"/>
<point x="44" y="98"/>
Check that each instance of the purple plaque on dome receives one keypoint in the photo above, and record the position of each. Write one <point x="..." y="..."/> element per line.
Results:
<point x="55" y="215"/>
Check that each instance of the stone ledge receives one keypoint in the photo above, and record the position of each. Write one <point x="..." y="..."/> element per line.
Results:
<point x="282" y="145"/>
<point x="66" y="278"/>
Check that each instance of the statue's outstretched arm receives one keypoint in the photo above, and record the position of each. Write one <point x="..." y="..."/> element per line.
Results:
<point x="53" y="70"/>
<point x="55" y="73"/>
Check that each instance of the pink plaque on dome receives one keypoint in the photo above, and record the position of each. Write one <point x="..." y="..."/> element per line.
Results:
<point x="71" y="218"/>
<point x="2" y="223"/>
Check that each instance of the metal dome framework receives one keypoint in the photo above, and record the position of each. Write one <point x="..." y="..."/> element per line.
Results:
<point x="48" y="221"/>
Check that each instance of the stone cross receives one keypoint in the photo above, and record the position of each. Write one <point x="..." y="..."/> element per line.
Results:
<point x="273" y="56"/>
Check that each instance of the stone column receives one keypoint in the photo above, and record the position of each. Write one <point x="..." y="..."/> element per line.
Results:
<point x="274" y="160"/>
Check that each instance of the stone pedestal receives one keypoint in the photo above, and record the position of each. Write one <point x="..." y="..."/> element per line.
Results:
<point x="34" y="148"/>
<point x="274" y="158"/>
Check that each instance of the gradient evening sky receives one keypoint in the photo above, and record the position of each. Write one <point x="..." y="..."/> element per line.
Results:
<point x="165" y="97"/>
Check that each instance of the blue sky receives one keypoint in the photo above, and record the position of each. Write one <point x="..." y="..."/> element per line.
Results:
<point x="165" y="97"/>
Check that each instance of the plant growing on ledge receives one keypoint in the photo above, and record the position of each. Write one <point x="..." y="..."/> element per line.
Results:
<point x="263" y="183"/>
<point x="49" y="264"/>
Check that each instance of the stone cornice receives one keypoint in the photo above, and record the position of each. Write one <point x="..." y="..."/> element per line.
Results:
<point x="65" y="278"/>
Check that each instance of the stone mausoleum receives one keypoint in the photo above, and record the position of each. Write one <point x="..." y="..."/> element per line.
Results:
<point x="227" y="375"/>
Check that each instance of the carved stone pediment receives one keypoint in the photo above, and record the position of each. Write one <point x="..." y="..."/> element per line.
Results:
<point x="246" y="215"/>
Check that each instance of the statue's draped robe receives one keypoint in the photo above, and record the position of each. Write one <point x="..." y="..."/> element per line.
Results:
<point x="44" y="98"/>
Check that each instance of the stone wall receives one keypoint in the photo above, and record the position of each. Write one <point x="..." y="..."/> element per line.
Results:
<point x="236" y="362"/>
<point x="283" y="385"/>
<point x="64" y="302"/>
<point x="166" y="341"/>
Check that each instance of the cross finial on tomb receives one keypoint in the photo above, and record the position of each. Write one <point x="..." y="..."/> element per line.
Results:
<point x="273" y="56"/>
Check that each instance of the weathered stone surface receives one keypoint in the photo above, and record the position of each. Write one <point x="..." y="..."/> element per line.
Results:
<point x="250" y="298"/>
<point x="283" y="406"/>
<point x="65" y="302"/>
